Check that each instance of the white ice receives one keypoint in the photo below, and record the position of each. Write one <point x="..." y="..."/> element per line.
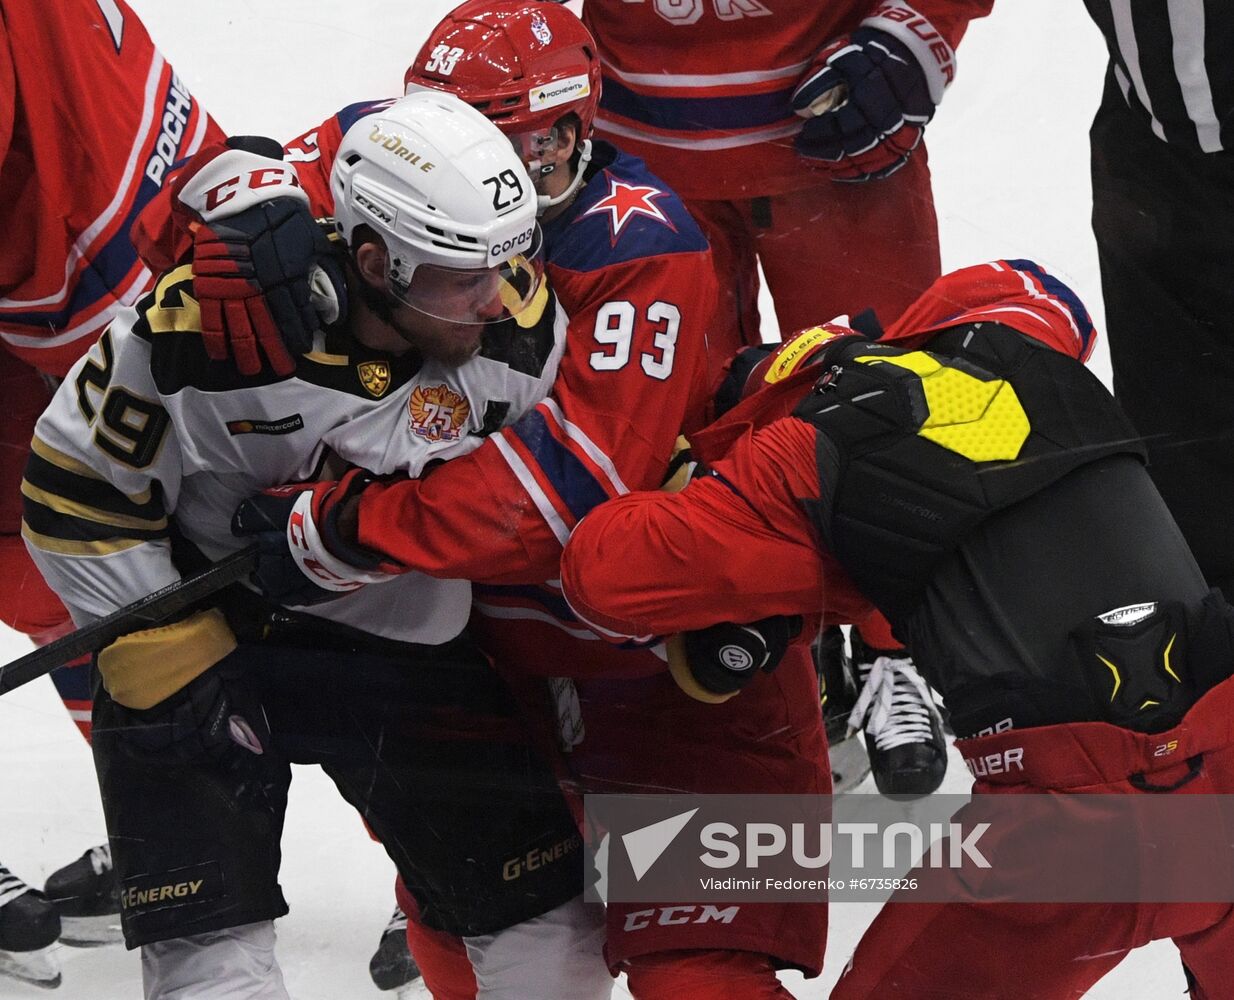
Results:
<point x="1009" y="151"/>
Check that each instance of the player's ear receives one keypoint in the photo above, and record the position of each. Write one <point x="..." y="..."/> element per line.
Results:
<point x="372" y="263"/>
<point x="567" y="139"/>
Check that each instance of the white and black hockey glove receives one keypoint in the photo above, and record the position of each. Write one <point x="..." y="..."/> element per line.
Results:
<point x="302" y="557"/>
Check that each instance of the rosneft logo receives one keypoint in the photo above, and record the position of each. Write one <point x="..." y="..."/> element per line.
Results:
<point x="572" y="88"/>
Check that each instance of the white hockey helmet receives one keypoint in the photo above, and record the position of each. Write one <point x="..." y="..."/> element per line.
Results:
<point x="450" y="198"/>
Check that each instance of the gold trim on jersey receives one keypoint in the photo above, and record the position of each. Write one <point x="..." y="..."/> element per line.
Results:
<point x="69" y="464"/>
<point x="164" y="314"/>
<point x="72" y="508"/>
<point x="74" y="547"/>
<point x="530" y="316"/>
<point x="322" y="358"/>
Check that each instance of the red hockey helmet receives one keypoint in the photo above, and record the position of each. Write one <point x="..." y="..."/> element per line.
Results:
<point x="521" y="63"/>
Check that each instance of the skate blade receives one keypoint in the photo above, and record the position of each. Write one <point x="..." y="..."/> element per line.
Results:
<point x="36" y="967"/>
<point x="91" y="932"/>
<point x="850" y="764"/>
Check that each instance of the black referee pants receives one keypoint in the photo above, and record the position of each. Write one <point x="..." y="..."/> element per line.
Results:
<point x="1164" y="221"/>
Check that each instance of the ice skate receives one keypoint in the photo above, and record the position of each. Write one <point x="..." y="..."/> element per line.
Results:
<point x="902" y="724"/>
<point x="838" y="693"/>
<point x="86" y="894"/>
<point x="29" y="928"/>
<point x="392" y="966"/>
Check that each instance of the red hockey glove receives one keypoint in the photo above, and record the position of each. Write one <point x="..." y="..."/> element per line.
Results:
<point x="264" y="272"/>
<point x="302" y="557"/>
<point x="868" y="95"/>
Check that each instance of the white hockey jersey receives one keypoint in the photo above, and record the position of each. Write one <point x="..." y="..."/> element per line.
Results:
<point x="147" y="436"/>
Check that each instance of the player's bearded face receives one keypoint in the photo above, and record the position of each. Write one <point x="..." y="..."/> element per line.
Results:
<point x="473" y="296"/>
<point x="452" y="344"/>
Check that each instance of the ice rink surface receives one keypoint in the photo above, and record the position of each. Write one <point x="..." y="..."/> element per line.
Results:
<point x="1009" y="153"/>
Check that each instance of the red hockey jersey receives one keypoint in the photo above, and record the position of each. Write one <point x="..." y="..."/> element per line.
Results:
<point x="738" y="544"/>
<point x="91" y="119"/>
<point x="701" y="88"/>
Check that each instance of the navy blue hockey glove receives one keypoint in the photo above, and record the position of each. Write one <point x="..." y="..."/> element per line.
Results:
<point x="258" y="277"/>
<point x="302" y="557"/>
<point x="265" y="274"/>
<point x="866" y="103"/>
<point x="211" y="718"/>
<point x="724" y="658"/>
<point x="868" y="95"/>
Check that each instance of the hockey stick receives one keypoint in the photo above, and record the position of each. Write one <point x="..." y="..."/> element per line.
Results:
<point x="150" y="610"/>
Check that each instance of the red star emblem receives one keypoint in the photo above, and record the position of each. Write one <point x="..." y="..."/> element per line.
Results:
<point x="624" y="201"/>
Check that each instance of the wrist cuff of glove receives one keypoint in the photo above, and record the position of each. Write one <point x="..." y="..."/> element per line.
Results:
<point x="931" y="50"/>
<point x="683" y="675"/>
<point x="321" y="553"/>
<point x="144" y="668"/>
<point x="725" y="657"/>
<point x="228" y="181"/>
<point x="339" y="523"/>
<point x="349" y="552"/>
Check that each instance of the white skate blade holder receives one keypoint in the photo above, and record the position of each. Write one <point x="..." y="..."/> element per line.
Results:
<point x="39" y="967"/>
<point x="91" y="932"/>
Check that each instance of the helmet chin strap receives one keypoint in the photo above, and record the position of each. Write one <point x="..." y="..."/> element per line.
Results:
<point x="544" y="201"/>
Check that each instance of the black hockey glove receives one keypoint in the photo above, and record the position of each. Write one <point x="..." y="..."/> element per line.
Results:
<point x="724" y="658"/>
<point x="302" y="557"/>
<point x="867" y="100"/>
<point x="265" y="274"/>
<point x="211" y="718"/>
<point x="736" y="384"/>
